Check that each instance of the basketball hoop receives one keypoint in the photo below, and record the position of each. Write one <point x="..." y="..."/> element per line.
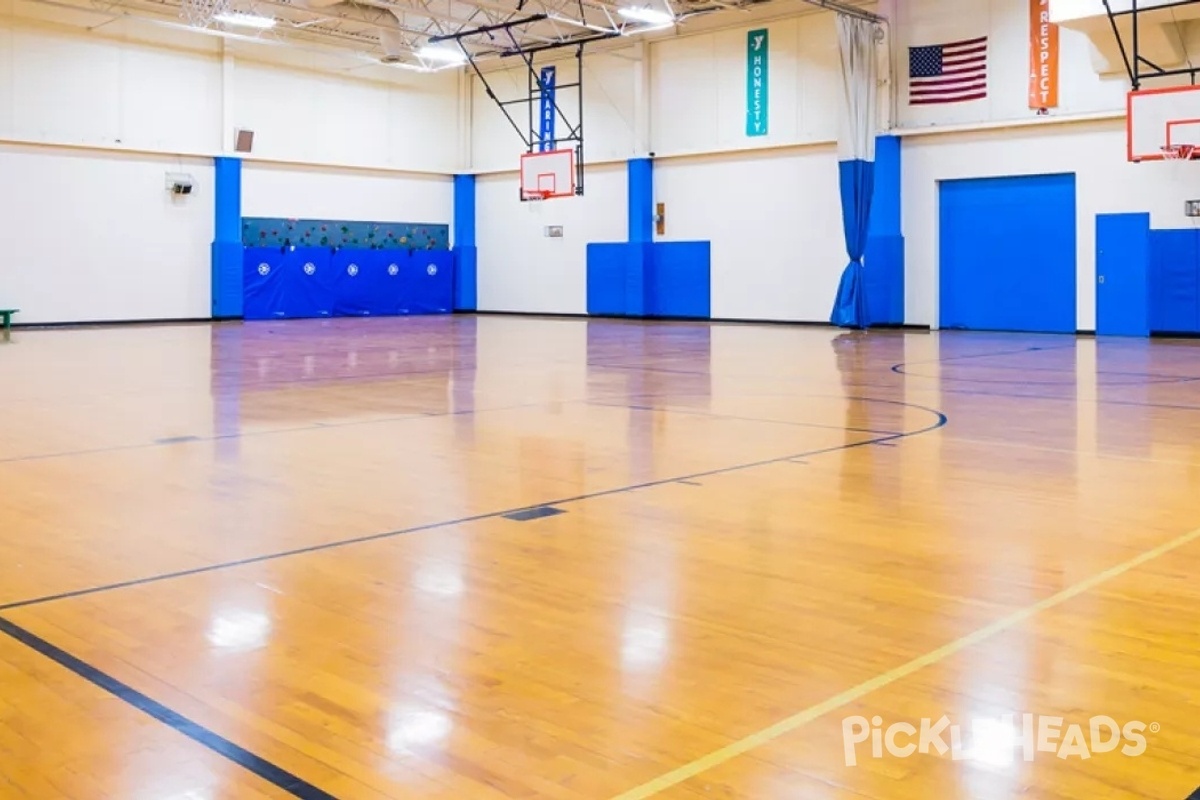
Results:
<point x="1179" y="152"/>
<point x="537" y="194"/>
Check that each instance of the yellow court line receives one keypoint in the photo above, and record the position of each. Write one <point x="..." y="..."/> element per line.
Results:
<point x="759" y="738"/>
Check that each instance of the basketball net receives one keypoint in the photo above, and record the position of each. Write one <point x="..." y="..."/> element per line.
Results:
<point x="1179" y="152"/>
<point x="200" y="13"/>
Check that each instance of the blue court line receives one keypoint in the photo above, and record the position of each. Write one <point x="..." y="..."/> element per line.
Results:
<point x="940" y="421"/>
<point x="292" y="784"/>
<point x="742" y="419"/>
<point x="1027" y="368"/>
<point x="995" y="353"/>
<point x="1098" y="400"/>
<point x="1148" y="380"/>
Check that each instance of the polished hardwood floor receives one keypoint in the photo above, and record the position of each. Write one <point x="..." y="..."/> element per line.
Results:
<point x="507" y="557"/>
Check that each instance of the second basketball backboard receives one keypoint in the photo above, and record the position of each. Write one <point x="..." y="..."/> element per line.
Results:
<point x="1167" y="117"/>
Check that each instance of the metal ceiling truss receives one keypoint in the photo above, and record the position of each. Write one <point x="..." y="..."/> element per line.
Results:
<point x="395" y="32"/>
<point x="1138" y="67"/>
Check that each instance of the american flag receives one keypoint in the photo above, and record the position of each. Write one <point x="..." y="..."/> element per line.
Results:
<point x="948" y="73"/>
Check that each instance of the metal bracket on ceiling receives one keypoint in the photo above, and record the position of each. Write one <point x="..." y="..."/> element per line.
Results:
<point x="1137" y="66"/>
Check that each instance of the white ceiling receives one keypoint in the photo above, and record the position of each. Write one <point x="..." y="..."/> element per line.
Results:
<point x="396" y="32"/>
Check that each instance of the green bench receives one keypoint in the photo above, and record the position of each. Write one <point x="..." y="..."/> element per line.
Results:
<point x="6" y="314"/>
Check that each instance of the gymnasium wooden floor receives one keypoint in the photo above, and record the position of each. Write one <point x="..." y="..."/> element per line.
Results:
<point x="504" y="557"/>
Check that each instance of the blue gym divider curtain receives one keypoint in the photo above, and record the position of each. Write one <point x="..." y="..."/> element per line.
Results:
<point x="856" y="162"/>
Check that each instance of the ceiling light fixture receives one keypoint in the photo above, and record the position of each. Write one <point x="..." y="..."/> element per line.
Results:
<point x="443" y="54"/>
<point x="246" y="20"/>
<point x="651" y="16"/>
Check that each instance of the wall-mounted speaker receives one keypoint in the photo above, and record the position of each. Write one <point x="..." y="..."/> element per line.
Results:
<point x="243" y="140"/>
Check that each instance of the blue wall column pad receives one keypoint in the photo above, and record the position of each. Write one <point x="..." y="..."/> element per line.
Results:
<point x="465" y="253"/>
<point x="886" y="199"/>
<point x="227" y="241"/>
<point x="638" y="265"/>
<point x="641" y="199"/>
<point x="464" y="210"/>
<point x="1175" y="281"/>
<point x="466" y="296"/>
<point x="883" y="270"/>
<point x="1123" y="274"/>
<point x="680" y="280"/>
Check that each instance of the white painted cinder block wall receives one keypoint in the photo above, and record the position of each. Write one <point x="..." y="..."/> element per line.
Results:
<point x="520" y="268"/>
<point x="91" y="123"/>
<point x="770" y="205"/>
<point x="963" y="141"/>
<point x="768" y="212"/>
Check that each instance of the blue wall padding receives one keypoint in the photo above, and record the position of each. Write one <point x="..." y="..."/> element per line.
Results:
<point x="1123" y="274"/>
<point x="358" y="283"/>
<point x="640" y="175"/>
<point x="885" y="201"/>
<point x="310" y="282"/>
<point x="1175" y="281"/>
<point x="607" y="263"/>
<point x="466" y="258"/>
<point x="884" y="259"/>
<point x="885" y="280"/>
<point x="680" y="280"/>
<point x="466" y="281"/>
<point x="1008" y="253"/>
<point x="226" y="253"/>
<point x="663" y="279"/>
<point x="637" y="278"/>
<point x="429" y="288"/>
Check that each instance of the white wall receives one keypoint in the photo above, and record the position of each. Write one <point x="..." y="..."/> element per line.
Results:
<point x="95" y="236"/>
<point x="91" y="123"/>
<point x="768" y="213"/>
<point x="520" y="269"/>
<point x="299" y="192"/>
<point x="183" y="94"/>
<point x="777" y="249"/>
<point x="698" y="88"/>
<point x="319" y="118"/>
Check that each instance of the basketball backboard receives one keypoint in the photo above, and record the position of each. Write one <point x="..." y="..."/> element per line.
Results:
<point x="1167" y="117"/>
<point x="547" y="174"/>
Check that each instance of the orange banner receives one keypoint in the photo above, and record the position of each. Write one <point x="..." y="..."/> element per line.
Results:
<point x="1043" y="56"/>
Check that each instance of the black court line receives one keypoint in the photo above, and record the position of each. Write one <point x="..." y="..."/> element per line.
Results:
<point x="290" y="783"/>
<point x="940" y="421"/>
<point x="690" y="483"/>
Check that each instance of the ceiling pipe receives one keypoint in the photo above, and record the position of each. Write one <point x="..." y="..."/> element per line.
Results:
<point x="842" y="7"/>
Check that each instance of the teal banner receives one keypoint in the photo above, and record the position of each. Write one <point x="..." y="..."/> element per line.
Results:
<point x="756" y="83"/>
